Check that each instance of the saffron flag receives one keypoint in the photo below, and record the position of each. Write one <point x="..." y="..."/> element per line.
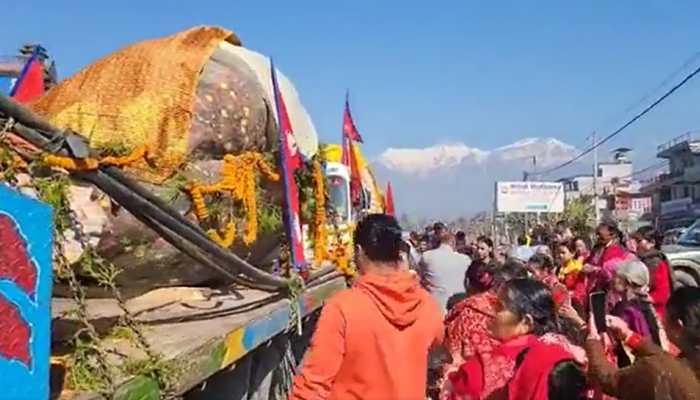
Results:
<point x="30" y="83"/>
<point x="290" y="161"/>
<point x="355" y="177"/>
<point x="389" y="200"/>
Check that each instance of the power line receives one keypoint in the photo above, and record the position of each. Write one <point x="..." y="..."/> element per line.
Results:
<point x="625" y="126"/>
<point x="689" y="62"/>
<point x="670" y="77"/>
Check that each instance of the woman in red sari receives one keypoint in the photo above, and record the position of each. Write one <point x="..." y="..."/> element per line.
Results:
<point x="467" y="324"/>
<point x="525" y="316"/>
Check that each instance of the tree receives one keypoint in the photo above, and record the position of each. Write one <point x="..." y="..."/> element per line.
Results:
<point x="579" y="214"/>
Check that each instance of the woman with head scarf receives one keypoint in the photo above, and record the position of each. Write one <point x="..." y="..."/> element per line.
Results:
<point x="655" y="374"/>
<point x="631" y="284"/>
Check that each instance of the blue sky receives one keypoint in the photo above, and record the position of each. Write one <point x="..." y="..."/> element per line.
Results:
<point x="420" y="73"/>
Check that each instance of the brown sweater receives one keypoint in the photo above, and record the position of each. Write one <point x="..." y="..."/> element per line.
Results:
<point x="655" y="375"/>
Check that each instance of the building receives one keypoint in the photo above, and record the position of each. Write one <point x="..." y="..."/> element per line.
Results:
<point x="577" y="185"/>
<point x="611" y="176"/>
<point x="676" y="194"/>
<point x="618" y="192"/>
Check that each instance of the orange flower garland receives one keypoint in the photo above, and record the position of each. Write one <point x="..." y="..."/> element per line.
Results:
<point x="340" y="254"/>
<point x="90" y="164"/>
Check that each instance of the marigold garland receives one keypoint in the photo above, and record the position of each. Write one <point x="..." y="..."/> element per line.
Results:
<point x="71" y="164"/>
<point x="238" y="179"/>
<point x="340" y="252"/>
<point x="340" y="257"/>
<point x="90" y="164"/>
<point x="320" y="239"/>
<point x="138" y="154"/>
<point x="229" y="235"/>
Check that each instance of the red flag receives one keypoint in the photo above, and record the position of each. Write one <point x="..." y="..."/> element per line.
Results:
<point x="290" y="162"/>
<point x="389" y="200"/>
<point x="30" y="83"/>
<point x="349" y="129"/>
<point x="345" y="151"/>
<point x="351" y="135"/>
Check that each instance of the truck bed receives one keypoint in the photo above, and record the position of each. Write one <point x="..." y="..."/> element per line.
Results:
<point x="199" y="337"/>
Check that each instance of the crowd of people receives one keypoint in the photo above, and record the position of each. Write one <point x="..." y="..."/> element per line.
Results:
<point x="433" y="316"/>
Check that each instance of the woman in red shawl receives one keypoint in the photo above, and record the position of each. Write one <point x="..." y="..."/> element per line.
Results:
<point x="525" y="316"/>
<point x="547" y="372"/>
<point x="467" y="324"/>
<point x="648" y="244"/>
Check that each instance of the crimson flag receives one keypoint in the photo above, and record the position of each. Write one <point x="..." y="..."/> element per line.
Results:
<point x="349" y="129"/>
<point x="349" y="137"/>
<point x="30" y="83"/>
<point x="389" y="200"/>
<point x="290" y="160"/>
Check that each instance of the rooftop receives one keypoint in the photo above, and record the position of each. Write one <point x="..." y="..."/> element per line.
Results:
<point x="689" y="141"/>
<point x="572" y="177"/>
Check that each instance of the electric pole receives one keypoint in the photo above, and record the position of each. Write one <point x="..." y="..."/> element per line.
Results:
<point x="595" y="178"/>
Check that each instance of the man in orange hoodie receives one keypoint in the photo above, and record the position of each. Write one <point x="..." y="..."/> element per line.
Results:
<point x="372" y="341"/>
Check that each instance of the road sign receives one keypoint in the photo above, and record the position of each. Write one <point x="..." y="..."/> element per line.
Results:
<point x="537" y="197"/>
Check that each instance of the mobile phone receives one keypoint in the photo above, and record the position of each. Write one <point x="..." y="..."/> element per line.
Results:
<point x="597" y="303"/>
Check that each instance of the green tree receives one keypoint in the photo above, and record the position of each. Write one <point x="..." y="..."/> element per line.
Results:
<point x="579" y="214"/>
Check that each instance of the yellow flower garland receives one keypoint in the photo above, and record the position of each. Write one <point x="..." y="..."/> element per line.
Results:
<point x="238" y="179"/>
<point x="320" y="239"/>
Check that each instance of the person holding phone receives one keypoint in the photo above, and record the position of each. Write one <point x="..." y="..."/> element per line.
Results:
<point x="655" y="374"/>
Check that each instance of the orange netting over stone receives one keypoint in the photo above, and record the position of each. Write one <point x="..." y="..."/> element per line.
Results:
<point x="142" y="95"/>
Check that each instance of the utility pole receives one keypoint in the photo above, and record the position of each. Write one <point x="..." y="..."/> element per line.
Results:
<point x="595" y="178"/>
<point x="534" y="168"/>
<point x="494" y="231"/>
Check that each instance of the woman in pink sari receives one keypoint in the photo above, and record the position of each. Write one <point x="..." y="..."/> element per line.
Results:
<point x="606" y="256"/>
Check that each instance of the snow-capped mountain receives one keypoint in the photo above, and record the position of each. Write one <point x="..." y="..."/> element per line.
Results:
<point x="425" y="161"/>
<point x="456" y="179"/>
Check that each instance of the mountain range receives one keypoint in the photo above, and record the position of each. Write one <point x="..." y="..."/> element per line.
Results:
<point x="449" y="180"/>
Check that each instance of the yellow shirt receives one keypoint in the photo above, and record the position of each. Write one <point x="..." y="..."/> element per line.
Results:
<point x="573" y="266"/>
